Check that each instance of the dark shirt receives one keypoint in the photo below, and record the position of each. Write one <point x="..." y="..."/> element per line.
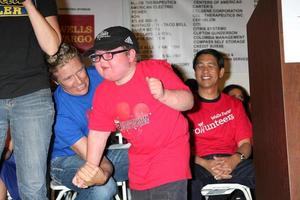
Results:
<point x="22" y="64"/>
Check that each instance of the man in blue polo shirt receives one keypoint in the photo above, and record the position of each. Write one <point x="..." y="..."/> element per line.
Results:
<point x="73" y="100"/>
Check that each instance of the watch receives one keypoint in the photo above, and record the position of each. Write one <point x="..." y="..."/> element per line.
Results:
<point x="242" y="156"/>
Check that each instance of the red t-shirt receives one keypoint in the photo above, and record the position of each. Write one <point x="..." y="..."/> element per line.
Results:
<point x="159" y="137"/>
<point x="219" y="125"/>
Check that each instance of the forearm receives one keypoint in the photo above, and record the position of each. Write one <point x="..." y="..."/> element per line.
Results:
<point x="91" y="173"/>
<point x="106" y="166"/>
<point x="245" y="148"/>
<point x="47" y="31"/>
<point x="180" y="100"/>
<point x="80" y="147"/>
<point x="200" y="161"/>
<point x="96" y="144"/>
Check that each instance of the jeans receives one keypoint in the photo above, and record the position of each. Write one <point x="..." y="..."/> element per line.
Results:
<point x="63" y="169"/>
<point x="243" y="174"/>
<point x="170" y="191"/>
<point x="119" y="159"/>
<point x="30" y="118"/>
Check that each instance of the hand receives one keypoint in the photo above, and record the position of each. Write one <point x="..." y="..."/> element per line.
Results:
<point x="7" y="154"/>
<point x="77" y="181"/>
<point x="212" y="166"/>
<point x="25" y="2"/>
<point x="92" y="175"/>
<point x="217" y="168"/>
<point x="225" y="166"/>
<point x="156" y="87"/>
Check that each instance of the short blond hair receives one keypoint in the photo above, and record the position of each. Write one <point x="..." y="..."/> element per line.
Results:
<point x="65" y="53"/>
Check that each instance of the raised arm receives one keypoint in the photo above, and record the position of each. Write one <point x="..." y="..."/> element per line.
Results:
<point x="46" y="29"/>
<point x="180" y="100"/>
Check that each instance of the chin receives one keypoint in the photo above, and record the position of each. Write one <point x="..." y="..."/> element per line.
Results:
<point x="79" y="92"/>
<point x="110" y="78"/>
<point x="84" y="92"/>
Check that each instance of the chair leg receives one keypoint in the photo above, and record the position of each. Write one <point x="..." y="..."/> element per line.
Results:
<point x="117" y="197"/>
<point x="124" y="190"/>
<point x="52" y="195"/>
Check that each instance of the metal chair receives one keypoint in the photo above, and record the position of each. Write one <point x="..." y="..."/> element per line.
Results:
<point x="8" y="196"/>
<point x="124" y="191"/>
<point x="68" y="194"/>
<point x="224" y="189"/>
<point x="64" y="192"/>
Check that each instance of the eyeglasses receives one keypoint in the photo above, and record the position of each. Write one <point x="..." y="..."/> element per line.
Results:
<point x="106" y="56"/>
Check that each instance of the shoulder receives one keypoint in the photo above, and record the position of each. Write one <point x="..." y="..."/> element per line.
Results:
<point x="60" y="98"/>
<point x="226" y="97"/>
<point x="154" y="64"/>
<point x="58" y="93"/>
<point x="232" y="101"/>
<point x="91" y="70"/>
<point x="105" y="88"/>
<point x="46" y="7"/>
<point x="93" y="75"/>
<point x="157" y="68"/>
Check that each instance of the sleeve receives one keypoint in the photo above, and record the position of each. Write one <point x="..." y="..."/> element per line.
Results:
<point x="100" y="118"/>
<point x="66" y="131"/>
<point x="162" y="70"/>
<point x="46" y="7"/>
<point x="243" y="125"/>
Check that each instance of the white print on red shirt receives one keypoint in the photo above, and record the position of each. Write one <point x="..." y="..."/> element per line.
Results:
<point x="131" y="120"/>
<point x="217" y="120"/>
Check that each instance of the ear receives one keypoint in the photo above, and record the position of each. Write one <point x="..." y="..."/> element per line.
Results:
<point x="221" y="73"/>
<point x="132" y="55"/>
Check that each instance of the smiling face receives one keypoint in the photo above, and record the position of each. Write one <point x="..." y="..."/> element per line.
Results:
<point x="120" y="68"/>
<point x="207" y="72"/>
<point x="72" y="77"/>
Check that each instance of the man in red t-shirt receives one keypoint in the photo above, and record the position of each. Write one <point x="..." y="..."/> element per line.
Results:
<point x="143" y="100"/>
<point x="222" y="132"/>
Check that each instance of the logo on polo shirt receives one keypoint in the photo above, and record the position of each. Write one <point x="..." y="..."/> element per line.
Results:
<point x="216" y="121"/>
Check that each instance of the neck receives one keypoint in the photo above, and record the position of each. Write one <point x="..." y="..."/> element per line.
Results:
<point x="208" y="93"/>
<point x="128" y="76"/>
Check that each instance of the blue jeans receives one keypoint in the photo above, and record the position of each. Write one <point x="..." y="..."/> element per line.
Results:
<point x="30" y="118"/>
<point x="64" y="168"/>
<point x="242" y="174"/>
<point x="119" y="159"/>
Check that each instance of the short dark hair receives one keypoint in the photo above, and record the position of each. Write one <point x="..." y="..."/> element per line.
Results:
<point x="219" y="57"/>
<point x="64" y="54"/>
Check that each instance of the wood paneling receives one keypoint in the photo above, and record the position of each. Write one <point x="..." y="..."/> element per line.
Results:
<point x="275" y="97"/>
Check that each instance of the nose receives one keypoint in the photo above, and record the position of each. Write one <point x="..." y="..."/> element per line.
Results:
<point x="77" y="79"/>
<point x="205" y="68"/>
